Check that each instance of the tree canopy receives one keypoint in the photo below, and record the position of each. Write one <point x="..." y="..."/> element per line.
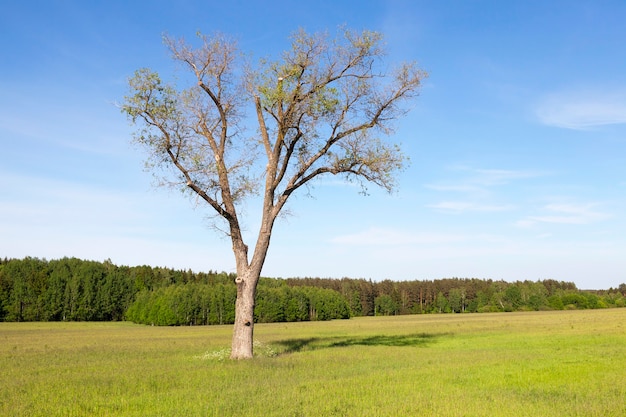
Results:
<point x="325" y="107"/>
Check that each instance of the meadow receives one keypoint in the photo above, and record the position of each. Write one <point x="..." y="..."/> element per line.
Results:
<point x="556" y="363"/>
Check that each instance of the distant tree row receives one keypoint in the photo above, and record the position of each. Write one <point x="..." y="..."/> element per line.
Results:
<point x="456" y="295"/>
<point x="71" y="289"/>
<point x="199" y="304"/>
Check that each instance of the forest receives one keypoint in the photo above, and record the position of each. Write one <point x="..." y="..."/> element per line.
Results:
<point x="71" y="289"/>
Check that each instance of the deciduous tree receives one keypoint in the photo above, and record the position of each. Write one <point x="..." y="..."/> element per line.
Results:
<point x="324" y="108"/>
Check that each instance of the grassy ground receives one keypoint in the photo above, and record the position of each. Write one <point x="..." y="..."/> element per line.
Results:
<point x="567" y="363"/>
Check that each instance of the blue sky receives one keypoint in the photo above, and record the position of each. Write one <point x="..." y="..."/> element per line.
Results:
<point x="517" y="142"/>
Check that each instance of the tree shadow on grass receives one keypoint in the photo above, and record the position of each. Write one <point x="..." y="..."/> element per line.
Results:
<point x="316" y="343"/>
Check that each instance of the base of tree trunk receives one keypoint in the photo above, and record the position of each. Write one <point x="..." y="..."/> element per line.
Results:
<point x="242" y="346"/>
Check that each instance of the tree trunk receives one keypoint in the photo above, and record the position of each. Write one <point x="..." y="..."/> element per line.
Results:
<point x="243" y="331"/>
<point x="248" y="275"/>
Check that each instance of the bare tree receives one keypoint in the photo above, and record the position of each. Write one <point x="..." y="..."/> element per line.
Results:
<point x="321" y="109"/>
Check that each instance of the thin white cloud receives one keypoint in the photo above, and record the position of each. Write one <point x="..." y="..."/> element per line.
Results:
<point x="462" y="206"/>
<point x="566" y="214"/>
<point x="461" y="188"/>
<point x="479" y="179"/>
<point x="492" y="177"/>
<point x="478" y="185"/>
<point x="380" y="236"/>
<point x="525" y="223"/>
<point x="582" y="110"/>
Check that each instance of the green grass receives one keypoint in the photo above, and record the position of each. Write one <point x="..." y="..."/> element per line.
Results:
<point x="566" y="363"/>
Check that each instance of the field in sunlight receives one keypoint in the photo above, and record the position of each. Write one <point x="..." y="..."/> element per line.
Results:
<point x="558" y="363"/>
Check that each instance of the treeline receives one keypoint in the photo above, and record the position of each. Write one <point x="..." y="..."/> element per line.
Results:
<point x="71" y="289"/>
<point x="198" y="304"/>
<point x="456" y="295"/>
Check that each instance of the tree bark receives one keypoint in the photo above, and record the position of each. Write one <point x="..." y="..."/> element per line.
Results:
<point x="243" y="331"/>
<point x="248" y="275"/>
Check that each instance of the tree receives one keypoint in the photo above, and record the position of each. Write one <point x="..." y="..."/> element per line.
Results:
<point x="385" y="305"/>
<point x="441" y="302"/>
<point x="321" y="109"/>
<point x="456" y="299"/>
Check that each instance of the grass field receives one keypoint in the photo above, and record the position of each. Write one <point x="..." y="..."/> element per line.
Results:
<point x="565" y="363"/>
